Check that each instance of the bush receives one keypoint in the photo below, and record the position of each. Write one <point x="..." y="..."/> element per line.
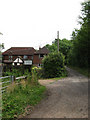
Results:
<point x="53" y="65"/>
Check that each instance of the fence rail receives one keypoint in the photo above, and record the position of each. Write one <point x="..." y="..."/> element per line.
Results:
<point x="11" y="80"/>
<point x="22" y="77"/>
<point x="5" y="77"/>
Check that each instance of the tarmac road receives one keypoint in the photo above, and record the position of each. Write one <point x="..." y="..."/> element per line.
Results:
<point x="66" y="98"/>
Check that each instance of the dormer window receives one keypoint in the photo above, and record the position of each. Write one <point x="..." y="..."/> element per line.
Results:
<point x="10" y="57"/>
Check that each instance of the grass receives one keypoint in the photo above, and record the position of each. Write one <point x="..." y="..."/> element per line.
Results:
<point x="17" y="97"/>
<point x="83" y="71"/>
<point x="15" y="102"/>
<point x="57" y="78"/>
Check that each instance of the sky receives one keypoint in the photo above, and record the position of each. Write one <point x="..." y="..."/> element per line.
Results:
<point x="34" y="23"/>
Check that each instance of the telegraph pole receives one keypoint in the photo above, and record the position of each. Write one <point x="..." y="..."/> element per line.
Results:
<point x="58" y="40"/>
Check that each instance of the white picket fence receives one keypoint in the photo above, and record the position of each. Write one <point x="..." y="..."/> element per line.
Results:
<point x="11" y="80"/>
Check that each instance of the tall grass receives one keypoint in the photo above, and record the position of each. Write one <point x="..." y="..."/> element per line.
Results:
<point x="15" y="101"/>
<point x="18" y="97"/>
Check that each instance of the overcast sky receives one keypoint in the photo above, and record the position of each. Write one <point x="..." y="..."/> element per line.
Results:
<point x="34" y="23"/>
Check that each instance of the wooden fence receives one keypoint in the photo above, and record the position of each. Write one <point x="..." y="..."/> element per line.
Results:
<point x="11" y="80"/>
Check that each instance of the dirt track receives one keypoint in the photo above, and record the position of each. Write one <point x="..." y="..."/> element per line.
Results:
<point x="66" y="98"/>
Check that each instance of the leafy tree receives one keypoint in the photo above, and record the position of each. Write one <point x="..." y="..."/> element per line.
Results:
<point x="52" y="48"/>
<point x="64" y="46"/>
<point x="78" y="56"/>
<point x="1" y="45"/>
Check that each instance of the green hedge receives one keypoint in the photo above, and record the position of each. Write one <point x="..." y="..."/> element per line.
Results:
<point x="53" y="65"/>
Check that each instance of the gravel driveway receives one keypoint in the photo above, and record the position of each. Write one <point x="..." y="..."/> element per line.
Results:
<point x="66" y="98"/>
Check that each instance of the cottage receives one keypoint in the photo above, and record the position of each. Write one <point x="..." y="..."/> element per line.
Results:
<point x="24" y="55"/>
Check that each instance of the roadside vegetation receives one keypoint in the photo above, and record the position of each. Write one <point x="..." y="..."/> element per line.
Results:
<point x="18" y="97"/>
<point x="15" y="102"/>
<point x="78" y="56"/>
<point x="57" y="78"/>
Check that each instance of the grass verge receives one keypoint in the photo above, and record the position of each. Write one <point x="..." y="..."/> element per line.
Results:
<point x="14" y="103"/>
<point x="57" y="78"/>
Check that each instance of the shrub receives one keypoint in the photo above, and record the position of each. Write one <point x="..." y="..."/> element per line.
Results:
<point x="53" y="65"/>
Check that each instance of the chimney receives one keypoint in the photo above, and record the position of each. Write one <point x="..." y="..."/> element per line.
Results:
<point x="39" y="47"/>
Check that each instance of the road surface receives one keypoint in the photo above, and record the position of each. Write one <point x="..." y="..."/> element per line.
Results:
<point x="66" y="98"/>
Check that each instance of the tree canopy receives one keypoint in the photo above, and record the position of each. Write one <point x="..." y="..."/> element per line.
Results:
<point x="64" y="46"/>
<point x="81" y="39"/>
<point x="1" y="45"/>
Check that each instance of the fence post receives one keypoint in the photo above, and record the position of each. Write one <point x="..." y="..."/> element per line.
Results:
<point x="12" y="78"/>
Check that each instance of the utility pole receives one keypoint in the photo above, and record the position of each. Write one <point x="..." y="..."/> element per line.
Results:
<point x="58" y="40"/>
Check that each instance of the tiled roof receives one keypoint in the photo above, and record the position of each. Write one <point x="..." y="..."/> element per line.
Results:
<point x="19" y="51"/>
<point x="25" y="51"/>
<point x="43" y="50"/>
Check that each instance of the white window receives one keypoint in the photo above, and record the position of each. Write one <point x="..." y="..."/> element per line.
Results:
<point x="27" y="62"/>
<point x="25" y="56"/>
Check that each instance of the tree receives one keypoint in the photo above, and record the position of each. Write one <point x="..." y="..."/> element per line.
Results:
<point x="52" y="48"/>
<point x="64" y="46"/>
<point x="1" y="45"/>
<point x="79" y="54"/>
